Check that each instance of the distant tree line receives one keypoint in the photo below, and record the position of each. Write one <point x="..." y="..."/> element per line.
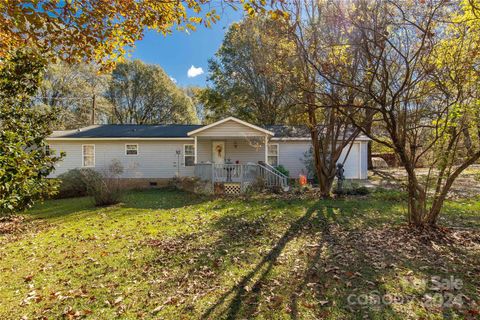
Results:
<point x="132" y="93"/>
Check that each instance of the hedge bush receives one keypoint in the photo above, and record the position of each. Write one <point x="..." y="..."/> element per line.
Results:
<point x="73" y="183"/>
<point x="283" y="170"/>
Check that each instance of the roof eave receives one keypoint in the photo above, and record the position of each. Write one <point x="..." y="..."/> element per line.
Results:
<point x="115" y="138"/>
<point x="230" y="119"/>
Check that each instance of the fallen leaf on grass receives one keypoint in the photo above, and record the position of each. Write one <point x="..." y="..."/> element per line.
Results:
<point x="308" y="305"/>
<point x="158" y="309"/>
<point x="28" y="278"/>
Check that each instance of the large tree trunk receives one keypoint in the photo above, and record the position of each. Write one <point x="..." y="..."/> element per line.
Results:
<point x="417" y="196"/>
<point x="325" y="184"/>
<point x="416" y="203"/>
<point x="325" y="179"/>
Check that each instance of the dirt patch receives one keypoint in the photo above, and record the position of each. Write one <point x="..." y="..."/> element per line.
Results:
<point x="467" y="185"/>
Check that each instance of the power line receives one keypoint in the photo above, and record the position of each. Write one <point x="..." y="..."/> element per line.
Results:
<point x="64" y="98"/>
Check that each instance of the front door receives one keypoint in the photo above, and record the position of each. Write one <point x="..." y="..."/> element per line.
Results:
<point x="218" y="151"/>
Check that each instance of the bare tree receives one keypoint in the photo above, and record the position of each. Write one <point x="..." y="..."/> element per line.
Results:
<point x="70" y="89"/>
<point x="415" y="64"/>
<point x="318" y="30"/>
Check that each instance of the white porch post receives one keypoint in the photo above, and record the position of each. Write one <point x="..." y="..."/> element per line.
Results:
<point x="266" y="149"/>
<point x="195" y="149"/>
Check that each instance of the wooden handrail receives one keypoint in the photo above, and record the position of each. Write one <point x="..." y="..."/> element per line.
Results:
<point x="241" y="173"/>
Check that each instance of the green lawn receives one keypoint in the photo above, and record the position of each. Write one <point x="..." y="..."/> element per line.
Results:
<point x="171" y="255"/>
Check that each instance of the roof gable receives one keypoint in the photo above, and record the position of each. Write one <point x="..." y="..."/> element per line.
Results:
<point x="230" y="126"/>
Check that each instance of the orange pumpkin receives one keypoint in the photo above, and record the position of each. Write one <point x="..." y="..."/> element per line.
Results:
<point x="302" y="180"/>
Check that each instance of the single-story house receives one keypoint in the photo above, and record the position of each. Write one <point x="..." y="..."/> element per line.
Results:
<point x="227" y="151"/>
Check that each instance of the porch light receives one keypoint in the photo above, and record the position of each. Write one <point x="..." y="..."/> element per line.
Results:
<point x="235" y="144"/>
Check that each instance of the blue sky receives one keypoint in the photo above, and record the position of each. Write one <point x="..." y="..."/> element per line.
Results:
<point x="178" y="52"/>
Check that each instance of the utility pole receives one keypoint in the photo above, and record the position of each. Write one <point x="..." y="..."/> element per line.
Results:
<point x="93" y="110"/>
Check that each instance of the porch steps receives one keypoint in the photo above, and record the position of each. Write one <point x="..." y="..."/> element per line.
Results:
<point x="273" y="177"/>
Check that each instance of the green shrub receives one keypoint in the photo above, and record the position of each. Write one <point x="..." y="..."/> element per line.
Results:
<point x="283" y="170"/>
<point x="353" y="189"/>
<point x="390" y="195"/>
<point x="105" y="187"/>
<point x="73" y="183"/>
<point x="362" y="191"/>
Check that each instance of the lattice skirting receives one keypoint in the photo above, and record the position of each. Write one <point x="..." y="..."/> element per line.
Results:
<point x="232" y="188"/>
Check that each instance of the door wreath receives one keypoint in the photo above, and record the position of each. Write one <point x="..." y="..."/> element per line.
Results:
<point x="219" y="149"/>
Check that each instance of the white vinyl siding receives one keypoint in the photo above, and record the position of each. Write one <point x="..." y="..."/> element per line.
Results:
<point x="156" y="159"/>
<point x="159" y="159"/>
<point x="239" y="150"/>
<point x="88" y="155"/>
<point x="244" y="151"/>
<point x="291" y="156"/>
<point x="230" y="129"/>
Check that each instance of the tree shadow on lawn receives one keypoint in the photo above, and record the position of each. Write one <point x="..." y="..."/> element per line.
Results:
<point x="58" y="208"/>
<point x="368" y="261"/>
<point x="243" y="297"/>
<point x="237" y="237"/>
<point x="161" y="199"/>
<point x="240" y="296"/>
<point x="344" y="249"/>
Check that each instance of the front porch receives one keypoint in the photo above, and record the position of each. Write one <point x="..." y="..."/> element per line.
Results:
<point x="233" y="154"/>
<point x="236" y="178"/>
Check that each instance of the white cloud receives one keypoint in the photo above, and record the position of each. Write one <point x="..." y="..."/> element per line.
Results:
<point x="193" y="72"/>
<point x="173" y="80"/>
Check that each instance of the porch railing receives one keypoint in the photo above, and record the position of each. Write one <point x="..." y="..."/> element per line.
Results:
<point x="242" y="173"/>
<point x="204" y="171"/>
<point x="272" y="176"/>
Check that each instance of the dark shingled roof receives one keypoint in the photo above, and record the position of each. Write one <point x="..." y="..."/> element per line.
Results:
<point x="284" y="131"/>
<point x="129" y="131"/>
<point x="162" y="131"/>
<point x="167" y="131"/>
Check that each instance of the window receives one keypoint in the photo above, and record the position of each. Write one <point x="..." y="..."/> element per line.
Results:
<point x="131" y="149"/>
<point x="88" y="155"/>
<point x="47" y="150"/>
<point x="273" y="154"/>
<point x="189" y="154"/>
